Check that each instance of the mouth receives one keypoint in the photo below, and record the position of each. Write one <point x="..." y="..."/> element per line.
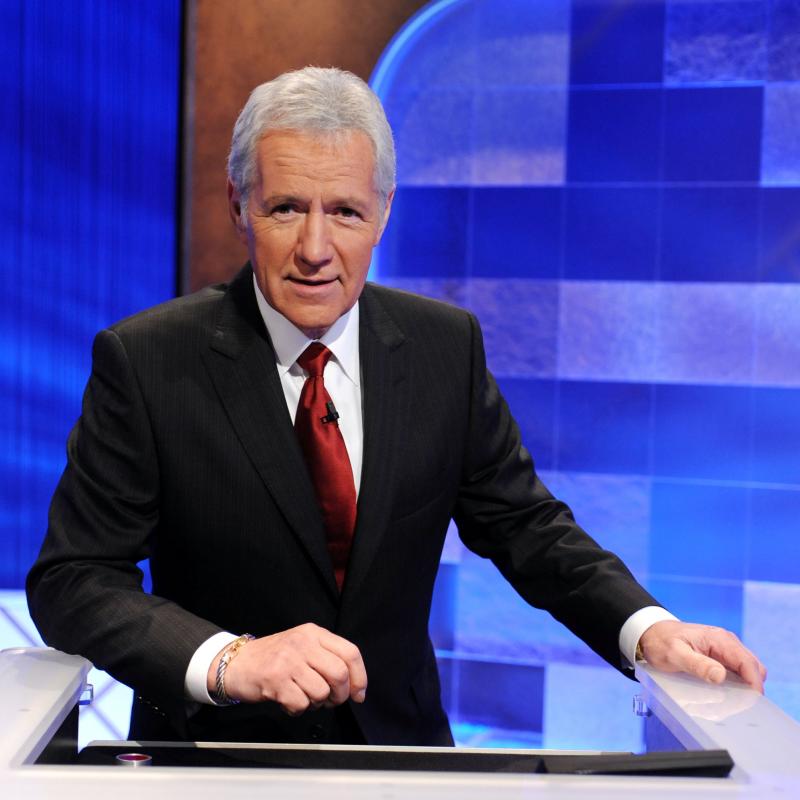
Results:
<point x="313" y="290"/>
<point x="311" y="281"/>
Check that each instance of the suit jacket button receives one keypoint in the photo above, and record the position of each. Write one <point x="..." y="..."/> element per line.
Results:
<point x="317" y="732"/>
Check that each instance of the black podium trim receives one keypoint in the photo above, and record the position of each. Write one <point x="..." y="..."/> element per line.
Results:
<point x="696" y="763"/>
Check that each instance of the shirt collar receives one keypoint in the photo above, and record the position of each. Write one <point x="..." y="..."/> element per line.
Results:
<point x="289" y="342"/>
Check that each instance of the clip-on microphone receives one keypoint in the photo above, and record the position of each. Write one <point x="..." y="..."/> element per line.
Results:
<point x="332" y="414"/>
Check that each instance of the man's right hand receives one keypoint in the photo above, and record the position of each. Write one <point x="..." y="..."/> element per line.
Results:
<point x="304" y="667"/>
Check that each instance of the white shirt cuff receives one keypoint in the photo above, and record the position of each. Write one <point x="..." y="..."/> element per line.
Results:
<point x="195" y="685"/>
<point x="636" y="624"/>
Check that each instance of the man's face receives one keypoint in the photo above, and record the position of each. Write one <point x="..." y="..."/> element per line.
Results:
<point x="313" y="217"/>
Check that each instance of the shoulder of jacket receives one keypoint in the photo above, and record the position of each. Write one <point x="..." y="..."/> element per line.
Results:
<point x="195" y="311"/>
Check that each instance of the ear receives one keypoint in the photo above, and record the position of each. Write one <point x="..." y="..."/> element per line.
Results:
<point x="235" y="211"/>
<point x="386" y="212"/>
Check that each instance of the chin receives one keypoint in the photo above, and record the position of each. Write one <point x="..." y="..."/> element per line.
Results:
<point x="314" y="328"/>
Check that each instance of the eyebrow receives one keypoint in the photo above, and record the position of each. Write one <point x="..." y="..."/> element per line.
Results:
<point x="279" y="199"/>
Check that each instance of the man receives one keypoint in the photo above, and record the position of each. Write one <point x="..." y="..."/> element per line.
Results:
<point x="221" y="440"/>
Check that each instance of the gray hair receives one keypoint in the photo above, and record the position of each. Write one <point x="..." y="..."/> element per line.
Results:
<point x="314" y="100"/>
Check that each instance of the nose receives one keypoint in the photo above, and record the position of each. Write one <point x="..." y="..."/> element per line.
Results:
<point x="314" y="246"/>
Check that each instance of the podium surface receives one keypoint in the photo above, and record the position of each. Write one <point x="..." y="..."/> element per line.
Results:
<point x="39" y="690"/>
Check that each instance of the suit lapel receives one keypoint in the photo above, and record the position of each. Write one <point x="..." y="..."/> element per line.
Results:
<point x="385" y="388"/>
<point x="241" y="363"/>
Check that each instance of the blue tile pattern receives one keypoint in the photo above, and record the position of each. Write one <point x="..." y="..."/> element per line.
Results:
<point x="588" y="708"/>
<point x="519" y="155"/>
<point x="779" y="247"/>
<point x="727" y="148"/>
<point x="594" y="436"/>
<point x="712" y="602"/>
<point x="771" y="620"/>
<point x="516" y="231"/>
<point x="784" y="40"/>
<point x="613" y="187"/>
<point x="615" y="134"/>
<point x="611" y="232"/>
<point x="602" y="32"/>
<point x="709" y="233"/>
<point x="518" y="706"/>
<point x="533" y="403"/>
<point x="537" y="53"/>
<point x="715" y="42"/>
<point x="689" y="348"/>
<point x="699" y="531"/>
<point x="449" y="105"/>
<point x="434" y="140"/>
<point x="703" y="431"/>
<point x="608" y="330"/>
<point x="780" y="145"/>
<point x="492" y="621"/>
<point x="519" y="319"/>
<point x="777" y="340"/>
<point x="776" y="436"/>
<point x="434" y="215"/>
<point x="774" y="547"/>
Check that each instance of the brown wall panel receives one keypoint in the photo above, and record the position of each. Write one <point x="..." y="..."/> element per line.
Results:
<point x="230" y="48"/>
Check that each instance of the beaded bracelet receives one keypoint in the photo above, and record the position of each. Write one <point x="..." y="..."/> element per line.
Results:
<point x="221" y="696"/>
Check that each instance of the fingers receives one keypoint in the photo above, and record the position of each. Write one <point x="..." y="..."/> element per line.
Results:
<point x="308" y="690"/>
<point x="333" y="671"/>
<point x="295" y="697"/>
<point x="728" y="650"/>
<point x="350" y="656"/>
<point x="753" y="675"/>
<point x="701" y="650"/>
<point x="301" y="668"/>
<point x="688" y="660"/>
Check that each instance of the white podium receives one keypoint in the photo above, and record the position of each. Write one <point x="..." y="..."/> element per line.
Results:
<point x="40" y="689"/>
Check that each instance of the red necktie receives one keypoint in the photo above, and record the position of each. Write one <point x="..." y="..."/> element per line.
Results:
<point x="323" y="447"/>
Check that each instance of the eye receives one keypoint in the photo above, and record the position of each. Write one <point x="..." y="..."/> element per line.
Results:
<point x="347" y="213"/>
<point x="283" y="209"/>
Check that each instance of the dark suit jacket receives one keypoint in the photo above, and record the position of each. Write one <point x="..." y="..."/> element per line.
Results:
<point x="185" y="453"/>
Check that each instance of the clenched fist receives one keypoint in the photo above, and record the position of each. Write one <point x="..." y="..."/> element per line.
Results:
<point x="301" y="668"/>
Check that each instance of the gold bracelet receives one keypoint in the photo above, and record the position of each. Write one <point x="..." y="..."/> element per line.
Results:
<point x="221" y="696"/>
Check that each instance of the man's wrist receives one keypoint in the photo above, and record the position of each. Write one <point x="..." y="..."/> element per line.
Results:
<point x="639" y="652"/>
<point x="219" y="695"/>
<point x="196" y="680"/>
<point x="635" y="626"/>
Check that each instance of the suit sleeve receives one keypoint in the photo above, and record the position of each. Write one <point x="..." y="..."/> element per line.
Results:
<point x="85" y="589"/>
<point x="505" y="513"/>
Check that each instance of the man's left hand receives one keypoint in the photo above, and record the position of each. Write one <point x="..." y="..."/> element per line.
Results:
<point x="701" y="650"/>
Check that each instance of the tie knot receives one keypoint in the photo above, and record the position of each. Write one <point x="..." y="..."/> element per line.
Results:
<point x="314" y="358"/>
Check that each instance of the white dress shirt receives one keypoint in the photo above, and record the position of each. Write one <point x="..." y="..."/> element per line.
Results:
<point x="343" y="381"/>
